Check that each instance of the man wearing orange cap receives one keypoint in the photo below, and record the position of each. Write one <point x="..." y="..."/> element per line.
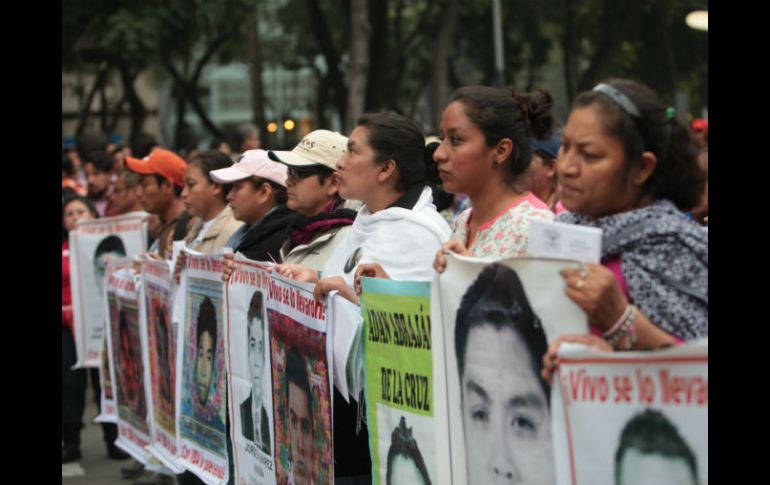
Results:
<point x="159" y="193"/>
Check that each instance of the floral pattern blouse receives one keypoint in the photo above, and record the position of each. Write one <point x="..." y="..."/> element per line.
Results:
<point x="507" y="233"/>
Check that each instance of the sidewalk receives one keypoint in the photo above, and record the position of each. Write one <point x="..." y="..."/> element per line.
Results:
<point x="94" y="468"/>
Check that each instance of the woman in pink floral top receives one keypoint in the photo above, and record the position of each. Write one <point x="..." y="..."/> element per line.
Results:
<point x="484" y="153"/>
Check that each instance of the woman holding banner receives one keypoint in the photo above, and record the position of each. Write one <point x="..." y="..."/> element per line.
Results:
<point x="205" y="198"/>
<point x="485" y="152"/>
<point x="73" y="387"/>
<point x="388" y="168"/>
<point x="628" y="167"/>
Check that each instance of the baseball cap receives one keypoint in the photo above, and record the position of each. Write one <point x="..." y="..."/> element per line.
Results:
<point x="253" y="163"/>
<point x="319" y="147"/>
<point x="162" y="162"/>
<point x="699" y="124"/>
<point x="549" y="146"/>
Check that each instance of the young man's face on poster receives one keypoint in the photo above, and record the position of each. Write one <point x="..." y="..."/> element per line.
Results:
<point x="301" y="434"/>
<point x="204" y="365"/>
<point x="638" y="468"/>
<point x="505" y="412"/>
<point x="256" y="355"/>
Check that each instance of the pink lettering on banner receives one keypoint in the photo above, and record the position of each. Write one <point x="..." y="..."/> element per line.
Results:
<point x="109" y="409"/>
<point x="196" y="457"/>
<point x="588" y="388"/>
<point x="691" y="390"/>
<point x="185" y="452"/>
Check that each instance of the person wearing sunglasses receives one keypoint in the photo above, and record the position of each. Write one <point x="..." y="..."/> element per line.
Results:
<point x="312" y="190"/>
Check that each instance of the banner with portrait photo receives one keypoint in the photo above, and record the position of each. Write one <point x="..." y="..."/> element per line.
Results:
<point x="497" y="319"/>
<point x="622" y="417"/>
<point x="128" y="372"/>
<point x="248" y="371"/>
<point x="92" y="244"/>
<point x="201" y="383"/>
<point x="300" y="356"/>
<point x="161" y="353"/>
<point x="398" y="364"/>
<point x="108" y="412"/>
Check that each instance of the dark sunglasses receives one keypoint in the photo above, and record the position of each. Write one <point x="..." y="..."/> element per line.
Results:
<point x="303" y="173"/>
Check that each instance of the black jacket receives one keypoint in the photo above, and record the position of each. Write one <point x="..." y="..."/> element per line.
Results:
<point x="263" y="242"/>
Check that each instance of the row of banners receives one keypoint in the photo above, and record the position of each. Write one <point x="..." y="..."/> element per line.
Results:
<point x="449" y="370"/>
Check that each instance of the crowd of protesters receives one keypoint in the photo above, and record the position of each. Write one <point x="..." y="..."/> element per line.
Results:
<point x="337" y="207"/>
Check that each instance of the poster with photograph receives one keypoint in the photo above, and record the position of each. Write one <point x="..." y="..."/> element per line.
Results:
<point x="248" y="371"/>
<point x="201" y="396"/>
<point x="128" y="373"/>
<point x="300" y="357"/>
<point x="108" y="412"/>
<point x="626" y="418"/>
<point x="161" y="353"/>
<point x="92" y="244"/>
<point x="398" y="361"/>
<point x="497" y="319"/>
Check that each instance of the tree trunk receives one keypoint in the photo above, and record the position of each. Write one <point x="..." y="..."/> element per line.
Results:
<point x="610" y="44"/>
<point x="359" y="65"/>
<point x="135" y="105"/>
<point x="378" y="78"/>
<point x="568" y="49"/>
<point x="440" y="79"/>
<point x="85" y="110"/>
<point x="255" y="75"/>
<point x="334" y="75"/>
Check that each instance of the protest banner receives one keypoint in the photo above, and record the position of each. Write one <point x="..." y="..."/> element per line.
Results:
<point x="107" y="407"/>
<point x="248" y="371"/>
<point x="201" y="392"/>
<point x="92" y="244"/>
<point x="398" y="361"/>
<point x="161" y="340"/>
<point x="300" y="356"/>
<point x="625" y="418"/>
<point x="128" y="372"/>
<point x="497" y="319"/>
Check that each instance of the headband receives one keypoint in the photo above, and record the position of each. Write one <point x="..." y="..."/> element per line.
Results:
<point x="619" y="98"/>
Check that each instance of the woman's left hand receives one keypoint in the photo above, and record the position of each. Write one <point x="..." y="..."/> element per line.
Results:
<point x="332" y="283"/>
<point x="596" y="291"/>
<point x="371" y="270"/>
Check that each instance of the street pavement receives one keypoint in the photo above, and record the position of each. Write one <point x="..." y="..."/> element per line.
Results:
<point x="94" y="468"/>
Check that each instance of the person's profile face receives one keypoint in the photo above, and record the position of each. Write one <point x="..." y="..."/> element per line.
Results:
<point x="404" y="470"/>
<point x="204" y="367"/>
<point x="256" y="353"/>
<point x="505" y="412"/>
<point x="637" y="468"/>
<point x="301" y="435"/>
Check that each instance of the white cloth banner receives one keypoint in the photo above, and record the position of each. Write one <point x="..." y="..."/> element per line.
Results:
<point x="161" y="346"/>
<point x="128" y="372"/>
<point x="492" y="324"/>
<point x="201" y="392"/>
<point x="302" y="383"/>
<point x="248" y="370"/>
<point x="631" y="417"/>
<point x="92" y="244"/>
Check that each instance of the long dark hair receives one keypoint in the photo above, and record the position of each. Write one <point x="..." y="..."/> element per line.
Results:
<point x="516" y="116"/>
<point x="398" y="138"/>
